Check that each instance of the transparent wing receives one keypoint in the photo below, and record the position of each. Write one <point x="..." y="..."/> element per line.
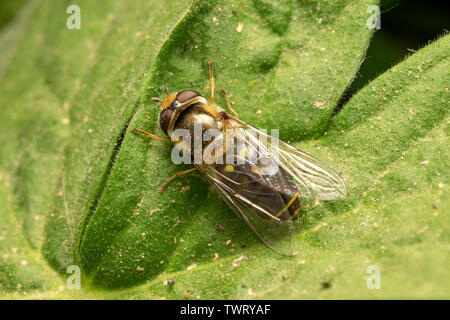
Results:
<point x="266" y="190"/>
<point x="273" y="233"/>
<point x="314" y="178"/>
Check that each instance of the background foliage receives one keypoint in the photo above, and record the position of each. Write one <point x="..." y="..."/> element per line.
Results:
<point x="77" y="187"/>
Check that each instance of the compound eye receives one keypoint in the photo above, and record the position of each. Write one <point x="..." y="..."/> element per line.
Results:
<point x="186" y="95"/>
<point x="164" y="119"/>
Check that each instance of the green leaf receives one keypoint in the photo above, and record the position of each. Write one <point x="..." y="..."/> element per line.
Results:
<point x="78" y="187"/>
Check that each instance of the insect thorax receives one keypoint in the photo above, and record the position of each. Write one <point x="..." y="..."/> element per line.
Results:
<point x="189" y="121"/>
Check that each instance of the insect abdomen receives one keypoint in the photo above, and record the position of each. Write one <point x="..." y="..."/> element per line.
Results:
<point x="272" y="198"/>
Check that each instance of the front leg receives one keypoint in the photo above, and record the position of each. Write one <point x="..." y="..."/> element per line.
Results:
<point x="149" y="135"/>
<point x="211" y="82"/>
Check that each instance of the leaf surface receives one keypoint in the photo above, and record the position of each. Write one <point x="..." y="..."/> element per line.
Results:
<point x="78" y="187"/>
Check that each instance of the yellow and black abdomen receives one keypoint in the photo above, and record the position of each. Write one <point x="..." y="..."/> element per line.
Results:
<point x="273" y="197"/>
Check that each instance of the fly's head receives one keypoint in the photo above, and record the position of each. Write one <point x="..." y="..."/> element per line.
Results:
<point x="172" y="105"/>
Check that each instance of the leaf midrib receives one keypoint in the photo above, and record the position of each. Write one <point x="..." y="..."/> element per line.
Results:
<point x="99" y="190"/>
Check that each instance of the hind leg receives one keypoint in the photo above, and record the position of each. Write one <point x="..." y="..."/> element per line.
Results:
<point x="178" y="174"/>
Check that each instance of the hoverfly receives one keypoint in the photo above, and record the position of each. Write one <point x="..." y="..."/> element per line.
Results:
<point x="267" y="201"/>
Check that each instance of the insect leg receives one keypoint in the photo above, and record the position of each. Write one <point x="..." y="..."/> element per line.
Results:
<point x="228" y="102"/>
<point x="149" y="135"/>
<point x="175" y="176"/>
<point x="211" y="81"/>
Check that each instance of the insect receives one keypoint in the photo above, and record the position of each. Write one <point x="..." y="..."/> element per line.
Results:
<point x="263" y="179"/>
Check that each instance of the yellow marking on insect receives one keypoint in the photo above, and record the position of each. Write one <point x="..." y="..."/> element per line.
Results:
<point x="229" y="168"/>
<point x="243" y="153"/>
<point x="168" y="100"/>
<point x="288" y="205"/>
<point x="256" y="170"/>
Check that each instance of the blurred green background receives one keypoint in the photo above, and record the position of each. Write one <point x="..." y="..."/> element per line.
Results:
<point x="406" y="26"/>
<point x="8" y="9"/>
